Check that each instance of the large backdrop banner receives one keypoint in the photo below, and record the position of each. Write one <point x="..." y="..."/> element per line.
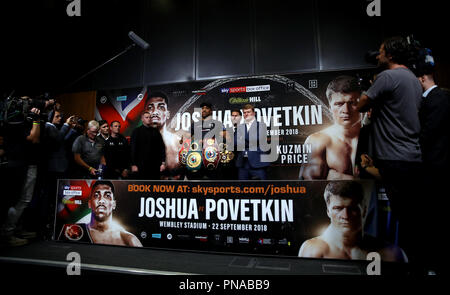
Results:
<point x="293" y="107"/>
<point x="312" y="205"/>
<point x="289" y="218"/>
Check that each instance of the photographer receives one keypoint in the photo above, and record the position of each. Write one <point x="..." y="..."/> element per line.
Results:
<point x="22" y="147"/>
<point x="57" y="163"/>
<point x="54" y="136"/>
<point x="78" y="129"/>
<point x="395" y="97"/>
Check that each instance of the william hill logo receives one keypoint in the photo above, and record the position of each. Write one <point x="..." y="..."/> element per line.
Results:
<point x="242" y="100"/>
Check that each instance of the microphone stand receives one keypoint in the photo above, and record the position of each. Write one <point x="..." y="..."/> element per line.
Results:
<point x="98" y="67"/>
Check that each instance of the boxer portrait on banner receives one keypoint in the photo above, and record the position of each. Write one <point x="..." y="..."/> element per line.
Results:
<point x="334" y="148"/>
<point x="157" y="105"/>
<point x="344" y="237"/>
<point x="101" y="229"/>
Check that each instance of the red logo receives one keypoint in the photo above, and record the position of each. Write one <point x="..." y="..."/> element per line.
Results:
<point x="238" y="89"/>
<point x="73" y="232"/>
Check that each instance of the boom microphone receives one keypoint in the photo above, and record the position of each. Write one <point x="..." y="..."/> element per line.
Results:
<point x="138" y="40"/>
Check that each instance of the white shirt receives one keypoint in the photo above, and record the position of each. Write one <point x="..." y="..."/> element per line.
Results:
<point x="249" y="124"/>
<point x="425" y="94"/>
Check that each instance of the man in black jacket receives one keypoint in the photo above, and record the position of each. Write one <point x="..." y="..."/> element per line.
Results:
<point x="434" y="141"/>
<point x="148" y="152"/>
<point x="117" y="153"/>
<point x="55" y="144"/>
<point x="434" y="121"/>
<point x="55" y="137"/>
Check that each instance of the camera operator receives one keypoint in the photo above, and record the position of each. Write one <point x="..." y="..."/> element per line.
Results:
<point x="18" y="110"/>
<point x="395" y="97"/>
<point x="22" y="148"/>
<point x="57" y="163"/>
<point x="78" y="129"/>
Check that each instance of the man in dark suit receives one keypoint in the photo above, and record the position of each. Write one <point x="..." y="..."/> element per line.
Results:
<point x="251" y="145"/>
<point x="434" y="121"/>
<point x="148" y="152"/>
<point x="434" y="140"/>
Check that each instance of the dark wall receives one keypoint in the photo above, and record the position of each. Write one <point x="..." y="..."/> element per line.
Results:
<point x="45" y="50"/>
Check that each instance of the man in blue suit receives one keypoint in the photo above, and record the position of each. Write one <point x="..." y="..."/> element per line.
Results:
<point x="251" y="145"/>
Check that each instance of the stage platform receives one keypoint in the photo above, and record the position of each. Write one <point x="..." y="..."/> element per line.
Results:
<point x="51" y="256"/>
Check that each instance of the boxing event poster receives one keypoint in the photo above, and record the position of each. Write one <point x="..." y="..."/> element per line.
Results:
<point x="274" y="218"/>
<point x="292" y="106"/>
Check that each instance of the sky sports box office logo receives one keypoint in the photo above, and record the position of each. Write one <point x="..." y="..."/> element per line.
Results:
<point x="244" y="89"/>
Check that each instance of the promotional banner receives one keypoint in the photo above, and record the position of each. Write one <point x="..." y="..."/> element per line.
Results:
<point x="305" y="125"/>
<point x="290" y="218"/>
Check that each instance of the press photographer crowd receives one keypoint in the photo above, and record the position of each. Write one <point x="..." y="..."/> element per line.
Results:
<point x="35" y="147"/>
<point x="404" y="133"/>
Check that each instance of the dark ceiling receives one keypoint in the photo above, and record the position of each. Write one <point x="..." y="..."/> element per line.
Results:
<point x="43" y="49"/>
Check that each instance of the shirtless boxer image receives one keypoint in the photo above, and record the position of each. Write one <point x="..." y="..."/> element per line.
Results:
<point x="102" y="229"/>
<point x="344" y="237"/>
<point x="334" y="148"/>
<point x="157" y="105"/>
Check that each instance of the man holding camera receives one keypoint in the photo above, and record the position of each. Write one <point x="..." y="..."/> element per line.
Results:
<point x="22" y="147"/>
<point x="395" y="97"/>
<point x="54" y="136"/>
<point x="57" y="164"/>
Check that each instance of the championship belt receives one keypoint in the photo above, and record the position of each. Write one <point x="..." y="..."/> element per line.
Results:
<point x="226" y="156"/>
<point x="182" y="154"/>
<point x="194" y="157"/>
<point x="211" y="155"/>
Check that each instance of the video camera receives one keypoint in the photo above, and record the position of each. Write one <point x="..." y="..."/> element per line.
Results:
<point x="420" y="59"/>
<point x="17" y="110"/>
<point x="424" y="63"/>
<point x="78" y="120"/>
